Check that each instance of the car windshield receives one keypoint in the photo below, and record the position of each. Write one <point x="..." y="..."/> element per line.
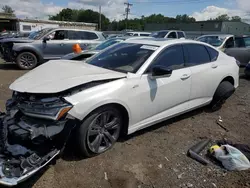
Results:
<point x="129" y="34"/>
<point x="215" y="41"/>
<point x="107" y="44"/>
<point x="39" y="34"/>
<point x="160" y="34"/>
<point x="123" y="57"/>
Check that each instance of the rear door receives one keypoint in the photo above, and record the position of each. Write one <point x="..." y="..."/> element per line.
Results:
<point x="87" y="40"/>
<point x="205" y="71"/>
<point x="241" y="51"/>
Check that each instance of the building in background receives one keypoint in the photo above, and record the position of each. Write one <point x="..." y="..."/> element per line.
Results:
<point x="196" y="29"/>
<point x="11" y="23"/>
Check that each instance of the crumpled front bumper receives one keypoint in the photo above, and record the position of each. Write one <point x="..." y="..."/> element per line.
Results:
<point x="14" y="181"/>
<point x="26" y="171"/>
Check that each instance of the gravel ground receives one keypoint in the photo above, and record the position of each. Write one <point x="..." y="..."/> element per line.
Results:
<point x="154" y="157"/>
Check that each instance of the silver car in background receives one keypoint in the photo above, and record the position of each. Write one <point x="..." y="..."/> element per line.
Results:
<point x="49" y="45"/>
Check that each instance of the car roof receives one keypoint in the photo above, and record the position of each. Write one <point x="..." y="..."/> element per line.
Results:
<point x="142" y="32"/>
<point x="74" y="29"/>
<point x="161" y="41"/>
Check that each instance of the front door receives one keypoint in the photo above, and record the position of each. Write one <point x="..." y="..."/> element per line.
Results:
<point x="163" y="97"/>
<point x="55" y="47"/>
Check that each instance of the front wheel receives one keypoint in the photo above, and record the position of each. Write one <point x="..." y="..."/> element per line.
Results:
<point x="26" y="60"/>
<point x="99" y="131"/>
<point x="222" y="93"/>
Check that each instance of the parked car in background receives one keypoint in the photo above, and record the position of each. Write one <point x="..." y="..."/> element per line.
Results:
<point x="235" y="46"/>
<point x="137" y="34"/>
<point x="88" y="53"/>
<point x="125" y="88"/>
<point x="47" y="45"/>
<point x="220" y="41"/>
<point x="247" y="70"/>
<point x="174" y="34"/>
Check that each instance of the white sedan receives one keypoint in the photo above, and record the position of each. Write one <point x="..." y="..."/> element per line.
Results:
<point x="125" y="88"/>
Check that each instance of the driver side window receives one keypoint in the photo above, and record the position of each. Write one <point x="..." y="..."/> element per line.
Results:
<point x="172" y="35"/>
<point x="59" y="35"/>
<point x="170" y="58"/>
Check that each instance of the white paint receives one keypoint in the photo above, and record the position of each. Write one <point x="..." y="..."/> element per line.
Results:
<point x="35" y="26"/>
<point x="146" y="100"/>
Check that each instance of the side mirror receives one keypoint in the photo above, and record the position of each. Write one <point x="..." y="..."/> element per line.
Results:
<point x="45" y="39"/>
<point x="160" y="71"/>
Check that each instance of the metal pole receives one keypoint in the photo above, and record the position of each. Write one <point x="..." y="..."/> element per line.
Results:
<point x="100" y="18"/>
<point x="127" y="10"/>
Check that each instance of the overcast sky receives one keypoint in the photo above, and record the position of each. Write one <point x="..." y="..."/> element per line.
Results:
<point x="114" y="9"/>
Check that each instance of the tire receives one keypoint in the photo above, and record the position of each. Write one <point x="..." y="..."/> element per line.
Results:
<point x="26" y="61"/>
<point x="222" y="93"/>
<point x="92" y="131"/>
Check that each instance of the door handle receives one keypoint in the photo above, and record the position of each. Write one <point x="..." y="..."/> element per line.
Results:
<point x="185" y="76"/>
<point x="214" y="66"/>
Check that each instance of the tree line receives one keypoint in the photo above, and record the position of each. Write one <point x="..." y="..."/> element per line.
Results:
<point x="90" y="16"/>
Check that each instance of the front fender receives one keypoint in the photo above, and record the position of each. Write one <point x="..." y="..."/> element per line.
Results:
<point x="82" y="110"/>
<point x="21" y="47"/>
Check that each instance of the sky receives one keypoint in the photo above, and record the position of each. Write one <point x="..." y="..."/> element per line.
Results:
<point x="114" y="9"/>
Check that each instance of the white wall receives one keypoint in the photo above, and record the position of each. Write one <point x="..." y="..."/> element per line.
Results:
<point x="27" y="27"/>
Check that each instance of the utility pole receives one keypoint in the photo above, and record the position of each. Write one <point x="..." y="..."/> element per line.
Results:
<point x="127" y="11"/>
<point x="100" y="18"/>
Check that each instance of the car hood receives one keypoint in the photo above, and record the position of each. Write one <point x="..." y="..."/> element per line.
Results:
<point x="16" y="40"/>
<point x="59" y="75"/>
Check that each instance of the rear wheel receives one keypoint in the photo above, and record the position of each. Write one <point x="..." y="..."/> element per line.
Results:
<point x="99" y="131"/>
<point x="223" y="92"/>
<point x="26" y="60"/>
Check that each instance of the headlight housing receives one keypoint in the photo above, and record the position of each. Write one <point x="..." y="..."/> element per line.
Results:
<point x="48" y="108"/>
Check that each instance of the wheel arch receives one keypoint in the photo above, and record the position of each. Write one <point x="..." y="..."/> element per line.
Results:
<point x="39" y="58"/>
<point x="119" y="105"/>
<point x="229" y="78"/>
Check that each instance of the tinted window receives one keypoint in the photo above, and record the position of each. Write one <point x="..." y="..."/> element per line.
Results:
<point x="58" y="35"/>
<point x="144" y="35"/>
<point x="91" y="36"/>
<point x="229" y="43"/>
<point x="123" y="57"/>
<point x="81" y="35"/>
<point x="213" y="53"/>
<point x="197" y="54"/>
<point x="247" y="41"/>
<point x="172" y="35"/>
<point x="212" y="40"/>
<point x="239" y="42"/>
<point x="160" y="34"/>
<point x="181" y="35"/>
<point x="171" y="57"/>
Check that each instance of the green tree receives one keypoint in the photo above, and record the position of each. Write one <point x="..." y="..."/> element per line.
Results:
<point x="7" y="9"/>
<point x="223" y="17"/>
<point x="184" y="18"/>
<point x="236" y="18"/>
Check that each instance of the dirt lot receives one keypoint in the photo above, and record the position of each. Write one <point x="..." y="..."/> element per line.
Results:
<point x="155" y="157"/>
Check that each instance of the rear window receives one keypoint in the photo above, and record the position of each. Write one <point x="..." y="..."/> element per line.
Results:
<point x="213" y="53"/>
<point x="81" y="35"/>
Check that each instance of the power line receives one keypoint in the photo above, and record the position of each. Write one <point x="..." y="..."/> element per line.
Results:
<point x="127" y="11"/>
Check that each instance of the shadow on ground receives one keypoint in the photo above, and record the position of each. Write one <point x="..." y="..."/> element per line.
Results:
<point x="9" y="66"/>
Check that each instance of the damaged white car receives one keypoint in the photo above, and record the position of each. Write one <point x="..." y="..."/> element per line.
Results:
<point x="125" y="88"/>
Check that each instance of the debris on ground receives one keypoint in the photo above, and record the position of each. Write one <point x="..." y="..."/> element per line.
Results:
<point x="105" y="176"/>
<point x="220" y="123"/>
<point x="180" y="175"/>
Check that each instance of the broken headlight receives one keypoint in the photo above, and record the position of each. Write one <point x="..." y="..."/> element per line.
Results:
<point x="48" y="108"/>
